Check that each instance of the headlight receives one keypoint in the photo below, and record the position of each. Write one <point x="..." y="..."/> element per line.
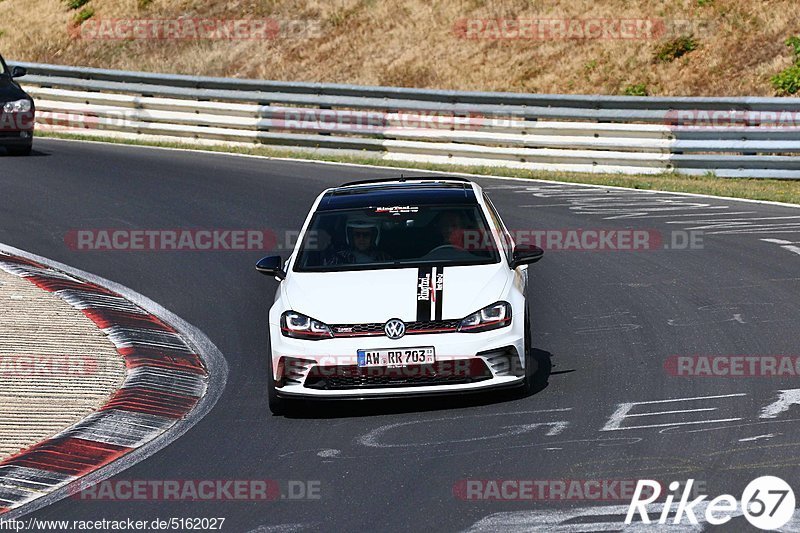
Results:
<point x="20" y="106"/>
<point x="300" y="326"/>
<point x="495" y="316"/>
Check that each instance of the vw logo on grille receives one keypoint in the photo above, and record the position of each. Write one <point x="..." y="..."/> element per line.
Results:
<point x="395" y="328"/>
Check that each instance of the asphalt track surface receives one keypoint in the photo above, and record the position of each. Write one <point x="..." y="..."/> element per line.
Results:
<point x="608" y="321"/>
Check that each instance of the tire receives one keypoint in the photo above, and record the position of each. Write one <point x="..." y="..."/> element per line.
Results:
<point x="277" y="405"/>
<point x="17" y="151"/>
<point x="530" y="371"/>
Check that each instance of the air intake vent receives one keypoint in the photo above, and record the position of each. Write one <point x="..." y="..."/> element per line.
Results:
<point x="504" y="361"/>
<point x="295" y="370"/>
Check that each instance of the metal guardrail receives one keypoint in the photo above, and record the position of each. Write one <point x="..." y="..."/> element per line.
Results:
<point x="729" y="137"/>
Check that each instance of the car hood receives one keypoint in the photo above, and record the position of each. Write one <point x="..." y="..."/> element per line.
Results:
<point x="375" y="296"/>
<point x="9" y="90"/>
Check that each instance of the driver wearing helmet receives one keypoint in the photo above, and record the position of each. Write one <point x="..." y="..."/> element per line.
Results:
<point x="362" y="237"/>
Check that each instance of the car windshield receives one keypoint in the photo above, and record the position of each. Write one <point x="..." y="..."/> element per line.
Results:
<point x="396" y="236"/>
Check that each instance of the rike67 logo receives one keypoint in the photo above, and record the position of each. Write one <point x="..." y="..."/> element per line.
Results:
<point x="767" y="503"/>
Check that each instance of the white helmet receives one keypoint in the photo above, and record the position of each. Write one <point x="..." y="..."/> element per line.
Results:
<point x="363" y="223"/>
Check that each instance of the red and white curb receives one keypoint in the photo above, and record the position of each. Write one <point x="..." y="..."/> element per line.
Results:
<point x="174" y="375"/>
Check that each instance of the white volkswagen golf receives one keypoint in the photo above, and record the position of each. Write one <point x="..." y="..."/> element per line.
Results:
<point x="409" y="286"/>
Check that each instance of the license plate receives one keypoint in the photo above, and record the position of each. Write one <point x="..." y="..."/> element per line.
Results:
<point x="396" y="357"/>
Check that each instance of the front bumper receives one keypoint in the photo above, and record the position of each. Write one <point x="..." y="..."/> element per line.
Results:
<point x="406" y="392"/>
<point x="16" y="129"/>
<point x="16" y="138"/>
<point x="465" y="362"/>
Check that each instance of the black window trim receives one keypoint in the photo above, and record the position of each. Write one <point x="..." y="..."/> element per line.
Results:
<point x="507" y="250"/>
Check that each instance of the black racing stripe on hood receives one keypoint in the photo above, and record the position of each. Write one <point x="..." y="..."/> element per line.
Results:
<point x="424" y="292"/>
<point x="438" y="287"/>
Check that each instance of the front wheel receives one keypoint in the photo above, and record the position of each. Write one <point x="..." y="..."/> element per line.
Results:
<point x="530" y="370"/>
<point x="277" y="405"/>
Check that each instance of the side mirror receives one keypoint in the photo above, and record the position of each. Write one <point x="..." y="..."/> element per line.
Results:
<point x="526" y="254"/>
<point x="18" y="72"/>
<point x="271" y="266"/>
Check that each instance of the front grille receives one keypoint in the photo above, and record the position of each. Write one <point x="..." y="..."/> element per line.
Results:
<point x="412" y="328"/>
<point x="344" y="377"/>
<point x="353" y="330"/>
<point x="433" y="326"/>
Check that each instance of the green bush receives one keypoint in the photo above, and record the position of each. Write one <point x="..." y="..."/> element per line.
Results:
<point x="794" y="43"/>
<point x="76" y="4"/>
<point x="675" y="48"/>
<point x="788" y="81"/>
<point x="84" y="15"/>
<point x="638" y="89"/>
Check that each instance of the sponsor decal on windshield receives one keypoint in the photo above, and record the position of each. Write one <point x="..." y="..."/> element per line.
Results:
<point x="397" y="209"/>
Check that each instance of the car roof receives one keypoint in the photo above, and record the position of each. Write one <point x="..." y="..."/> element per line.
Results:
<point x="399" y="191"/>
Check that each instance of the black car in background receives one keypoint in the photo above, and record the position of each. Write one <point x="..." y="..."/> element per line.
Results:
<point x="16" y="112"/>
